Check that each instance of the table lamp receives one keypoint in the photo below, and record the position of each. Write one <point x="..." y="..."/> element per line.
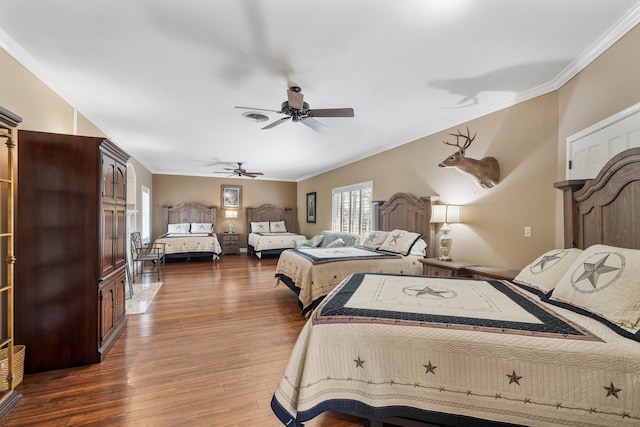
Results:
<point x="445" y="215"/>
<point x="230" y="215"/>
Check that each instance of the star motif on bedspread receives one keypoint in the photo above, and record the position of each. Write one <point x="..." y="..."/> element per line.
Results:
<point x="513" y="378"/>
<point x="431" y="369"/>
<point x="545" y="260"/>
<point x="428" y="291"/>
<point x="592" y="271"/>
<point x="612" y="390"/>
<point x="359" y="362"/>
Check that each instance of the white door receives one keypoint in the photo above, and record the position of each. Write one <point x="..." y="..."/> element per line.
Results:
<point x="589" y="149"/>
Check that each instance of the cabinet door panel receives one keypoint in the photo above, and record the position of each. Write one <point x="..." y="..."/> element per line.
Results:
<point x="107" y="311"/>
<point x="120" y="183"/>
<point x="108" y="179"/>
<point x="120" y="234"/>
<point x="109" y="217"/>
<point x="121" y="297"/>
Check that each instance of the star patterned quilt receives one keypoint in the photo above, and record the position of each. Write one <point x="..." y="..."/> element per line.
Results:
<point x="269" y="241"/>
<point x="313" y="272"/>
<point x="453" y="350"/>
<point x="179" y="243"/>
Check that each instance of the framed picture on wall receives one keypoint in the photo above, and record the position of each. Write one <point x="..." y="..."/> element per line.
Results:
<point x="311" y="207"/>
<point x="231" y="196"/>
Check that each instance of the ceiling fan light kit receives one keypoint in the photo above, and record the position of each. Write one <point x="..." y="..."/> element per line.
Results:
<point x="296" y="110"/>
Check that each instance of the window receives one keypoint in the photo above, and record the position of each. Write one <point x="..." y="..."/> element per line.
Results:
<point x="351" y="208"/>
<point x="146" y="214"/>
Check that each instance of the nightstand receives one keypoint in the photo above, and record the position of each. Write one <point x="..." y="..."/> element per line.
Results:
<point x="481" y="272"/>
<point x="435" y="267"/>
<point x="230" y="243"/>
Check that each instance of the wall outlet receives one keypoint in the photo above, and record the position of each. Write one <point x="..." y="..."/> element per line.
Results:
<point x="527" y="232"/>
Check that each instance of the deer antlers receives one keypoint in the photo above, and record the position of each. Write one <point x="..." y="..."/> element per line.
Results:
<point x="469" y="139"/>
<point x="486" y="170"/>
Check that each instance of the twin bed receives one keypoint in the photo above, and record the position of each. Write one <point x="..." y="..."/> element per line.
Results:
<point x="559" y="345"/>
<point x="313" y="272"/>
<point x="190" y="232"/>
<point x="268" y="228"/>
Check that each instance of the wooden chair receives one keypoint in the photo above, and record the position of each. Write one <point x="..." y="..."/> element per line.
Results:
<point x="141" y="253"/>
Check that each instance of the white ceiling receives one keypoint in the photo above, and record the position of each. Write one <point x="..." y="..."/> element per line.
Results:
<point x="162" y="77"/>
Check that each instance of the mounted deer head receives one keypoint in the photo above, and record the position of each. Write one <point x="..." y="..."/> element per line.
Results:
<point x="486" y="171"/>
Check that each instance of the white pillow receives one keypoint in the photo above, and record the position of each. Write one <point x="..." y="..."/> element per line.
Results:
<point x="311" y="243"/>
<point x="182" y="227"/>
<point x="201" y="227"/>
<point x="277" y="227"/>
<point x="260" y="227"/>
<point x="316" y="240"/>
<point x="419" y="248"/>
<point x="400" y="241"/>
<point x="604" y="281"/>
<point x="544" y="273"/>
<point x="338" y="243"/>
<point x="375" y="239"/>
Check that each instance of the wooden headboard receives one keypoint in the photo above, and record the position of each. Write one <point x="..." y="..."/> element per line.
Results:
<point x="268" y="212"/>
<point x="188" y="212"/>
<point x="406" y="212"/>
<point x="605" y="209"/>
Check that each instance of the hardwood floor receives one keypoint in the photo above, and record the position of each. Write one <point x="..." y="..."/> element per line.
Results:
<point x="209" y="351"/>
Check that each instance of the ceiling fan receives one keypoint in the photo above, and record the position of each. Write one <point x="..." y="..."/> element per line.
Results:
<point x="239" y="171"/>
<point x="296" y="110"/>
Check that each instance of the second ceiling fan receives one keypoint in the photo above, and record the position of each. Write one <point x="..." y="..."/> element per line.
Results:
<point x="296" y="110"/>
<point x="240" y="171"/>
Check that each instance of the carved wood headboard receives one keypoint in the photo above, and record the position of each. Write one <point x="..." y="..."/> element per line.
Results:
<point x="188" y="212"/>
<point x="269" y="212"/>
<point x="406" y="212"/>
<point x="605" y="209"/>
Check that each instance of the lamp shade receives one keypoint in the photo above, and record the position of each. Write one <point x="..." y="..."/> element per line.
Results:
<point x="231" y="214"/>
<point x="446" y="213"/>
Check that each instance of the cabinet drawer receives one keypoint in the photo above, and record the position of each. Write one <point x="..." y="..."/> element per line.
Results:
<point x="435" y="271"/>
<point x="446" y="272"/>
<point x="230" y="243"/>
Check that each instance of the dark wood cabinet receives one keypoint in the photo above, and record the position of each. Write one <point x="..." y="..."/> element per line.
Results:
<point x="70" y="248"/>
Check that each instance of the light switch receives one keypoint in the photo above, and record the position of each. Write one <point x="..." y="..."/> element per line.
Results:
<point x="527" y="232"/>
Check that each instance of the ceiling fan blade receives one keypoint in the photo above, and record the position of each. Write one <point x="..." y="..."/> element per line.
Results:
<point x="331" y="112"/>
<point x="276" y="123"/>
<point x="252" y="174"/>
<point x="257" y="109"/>
<point x="295" y="98"/>
<point x="314" y="124"/>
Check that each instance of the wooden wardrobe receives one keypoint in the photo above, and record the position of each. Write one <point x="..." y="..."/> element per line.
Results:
<point x="70" y="249"/>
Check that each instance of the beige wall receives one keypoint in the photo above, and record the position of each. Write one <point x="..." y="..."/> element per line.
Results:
<point x="523" y="140"/>
<point x="43" y="110"/>
<point x="171" y="190"/>
<point x="608" y="85"/>
<point x="22" y="93"/>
